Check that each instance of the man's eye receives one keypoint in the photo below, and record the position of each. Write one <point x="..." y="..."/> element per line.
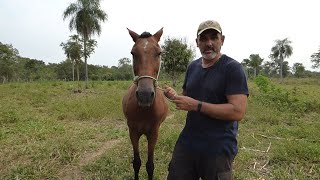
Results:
<point x="202" y="39"/>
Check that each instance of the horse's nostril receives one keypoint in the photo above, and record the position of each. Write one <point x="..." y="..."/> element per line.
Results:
<point x="152" y="94"/>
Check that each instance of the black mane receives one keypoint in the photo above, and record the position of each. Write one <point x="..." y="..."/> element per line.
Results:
<point x="145" y="35"/>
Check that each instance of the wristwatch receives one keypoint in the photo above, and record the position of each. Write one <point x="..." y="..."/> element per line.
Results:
<point x="199" y="106"/>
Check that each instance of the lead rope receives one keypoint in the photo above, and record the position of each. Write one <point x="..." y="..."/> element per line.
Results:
<point x="161" y="89"/>
<point x="158" y="87"/>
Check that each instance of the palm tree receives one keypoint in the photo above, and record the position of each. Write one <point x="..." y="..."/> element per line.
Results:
<point x="86" y="17"/>
<point x="77" y="51"/>
<point x="280" y="51"/>
<point x="73" y="51"/>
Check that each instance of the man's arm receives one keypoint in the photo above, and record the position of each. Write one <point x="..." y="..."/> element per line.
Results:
<point x="233" y="110"/>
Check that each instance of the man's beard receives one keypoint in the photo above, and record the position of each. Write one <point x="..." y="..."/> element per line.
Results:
<point x="210" y="56"/>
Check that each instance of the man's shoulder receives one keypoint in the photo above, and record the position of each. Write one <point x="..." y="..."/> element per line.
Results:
<point x="229" y="60"/>
<point x="195" y="62"/>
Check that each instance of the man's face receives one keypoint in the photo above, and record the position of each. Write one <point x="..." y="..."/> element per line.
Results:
<point x="209" y="43"/>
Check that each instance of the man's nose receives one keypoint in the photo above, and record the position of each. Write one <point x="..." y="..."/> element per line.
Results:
<point x="209" y="43"/>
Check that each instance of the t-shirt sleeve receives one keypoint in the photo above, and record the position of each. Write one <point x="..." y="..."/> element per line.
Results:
<point x="236" y="82"/>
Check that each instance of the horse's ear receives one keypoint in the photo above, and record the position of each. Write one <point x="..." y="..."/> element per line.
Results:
<point x="133" y="34"/>
<point x="158" y="34"/>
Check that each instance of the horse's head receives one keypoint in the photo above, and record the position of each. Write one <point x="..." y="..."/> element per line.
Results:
<point x="146" y="65"/>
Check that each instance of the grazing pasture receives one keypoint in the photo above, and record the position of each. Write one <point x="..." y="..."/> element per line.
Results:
<point x="47" y="131"/>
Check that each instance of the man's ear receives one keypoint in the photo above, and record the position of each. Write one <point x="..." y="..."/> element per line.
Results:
<point x="222" y="38"/>
<point x="197" y="42"/>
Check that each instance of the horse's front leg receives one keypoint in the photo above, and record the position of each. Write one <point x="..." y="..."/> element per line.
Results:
<point x="136" y="163"/>
<point x="152" y="140"/>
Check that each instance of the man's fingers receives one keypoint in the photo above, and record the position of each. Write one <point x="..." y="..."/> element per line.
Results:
<point x="176" y="97"/>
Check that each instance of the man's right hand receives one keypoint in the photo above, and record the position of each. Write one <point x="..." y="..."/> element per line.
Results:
<point x="169" y="92"/>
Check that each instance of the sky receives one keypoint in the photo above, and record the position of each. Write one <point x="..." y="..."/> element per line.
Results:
<point x="36" y="27"/>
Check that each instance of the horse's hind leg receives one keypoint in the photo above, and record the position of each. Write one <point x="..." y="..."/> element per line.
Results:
<point x="152" y="140"/>
<point x="136" y="163"/>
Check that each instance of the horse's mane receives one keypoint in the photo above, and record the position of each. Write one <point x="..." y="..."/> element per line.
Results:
<point x="145" y="35"/>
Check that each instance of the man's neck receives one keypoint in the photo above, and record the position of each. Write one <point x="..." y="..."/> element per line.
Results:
<point x="208" y="63"/>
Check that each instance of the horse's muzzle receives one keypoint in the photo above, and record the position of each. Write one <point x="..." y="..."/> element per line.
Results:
<point x="145" y="96"/>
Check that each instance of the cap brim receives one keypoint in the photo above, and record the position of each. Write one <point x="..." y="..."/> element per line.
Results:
<point x="207" y="29"/>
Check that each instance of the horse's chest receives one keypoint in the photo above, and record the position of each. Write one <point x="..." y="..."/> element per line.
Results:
<point x="144" y="118"/>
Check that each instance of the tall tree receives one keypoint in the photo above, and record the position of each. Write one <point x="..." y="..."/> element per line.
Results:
<point x="124" y="62"/>
<point x="315" y="59"/>
<point x="176" y="57"/>
<point x="298" y="70"/>
<point x="86" y="17"/>
<point x="90" y="44"/>
<point x="245" y="64"/>
<point x="269" y="68"/>
<point x="255" y="62"/>
<point x="73" y="51"/>
<point x="281" y="50"/>
<point x="125" y="69"/>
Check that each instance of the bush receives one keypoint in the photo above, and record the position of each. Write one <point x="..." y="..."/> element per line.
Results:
<point x="262" y="83"/>
<point x="272" y="96"/>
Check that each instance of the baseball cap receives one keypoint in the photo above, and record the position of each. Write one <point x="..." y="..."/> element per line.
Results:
<point x="209" y="24"/>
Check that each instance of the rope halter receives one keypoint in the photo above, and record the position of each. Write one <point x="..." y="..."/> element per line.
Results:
<point x="137" y="78"/>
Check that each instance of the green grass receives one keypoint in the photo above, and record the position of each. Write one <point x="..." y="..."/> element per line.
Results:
<point x="47" y="131"/>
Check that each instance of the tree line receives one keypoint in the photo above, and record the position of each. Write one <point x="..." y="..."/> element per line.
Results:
<point x="14" y="68"/>
<point x="175" y="58"/>
<point x="278" y="66"/>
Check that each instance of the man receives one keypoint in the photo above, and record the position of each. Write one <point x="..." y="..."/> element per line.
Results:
<point x="215" y="94"/>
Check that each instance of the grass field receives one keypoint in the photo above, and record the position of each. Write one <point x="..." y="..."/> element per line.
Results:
<point x="47" y="131"/>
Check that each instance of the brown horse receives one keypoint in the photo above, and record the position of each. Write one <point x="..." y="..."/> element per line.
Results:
<point x="144" y="104"/>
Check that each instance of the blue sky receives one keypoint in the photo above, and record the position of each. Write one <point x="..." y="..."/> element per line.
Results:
<point x="36" y="27"/>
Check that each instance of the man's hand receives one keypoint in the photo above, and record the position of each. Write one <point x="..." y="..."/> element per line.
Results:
<point x="170" y="93"/>
<point x="186" y="103"/>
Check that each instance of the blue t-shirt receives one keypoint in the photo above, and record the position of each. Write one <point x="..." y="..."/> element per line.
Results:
<point x="212" y="85"/>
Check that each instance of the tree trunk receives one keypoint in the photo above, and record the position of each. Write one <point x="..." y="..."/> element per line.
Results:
<point x="72" y="70"/>
<point x="281" y="65"/>
<point x="78" y="76"/>
<point x="85" y="61"/>
<point x="3" y="79"/>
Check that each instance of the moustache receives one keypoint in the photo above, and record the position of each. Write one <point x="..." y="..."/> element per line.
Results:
<point x="210" y="49"/>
